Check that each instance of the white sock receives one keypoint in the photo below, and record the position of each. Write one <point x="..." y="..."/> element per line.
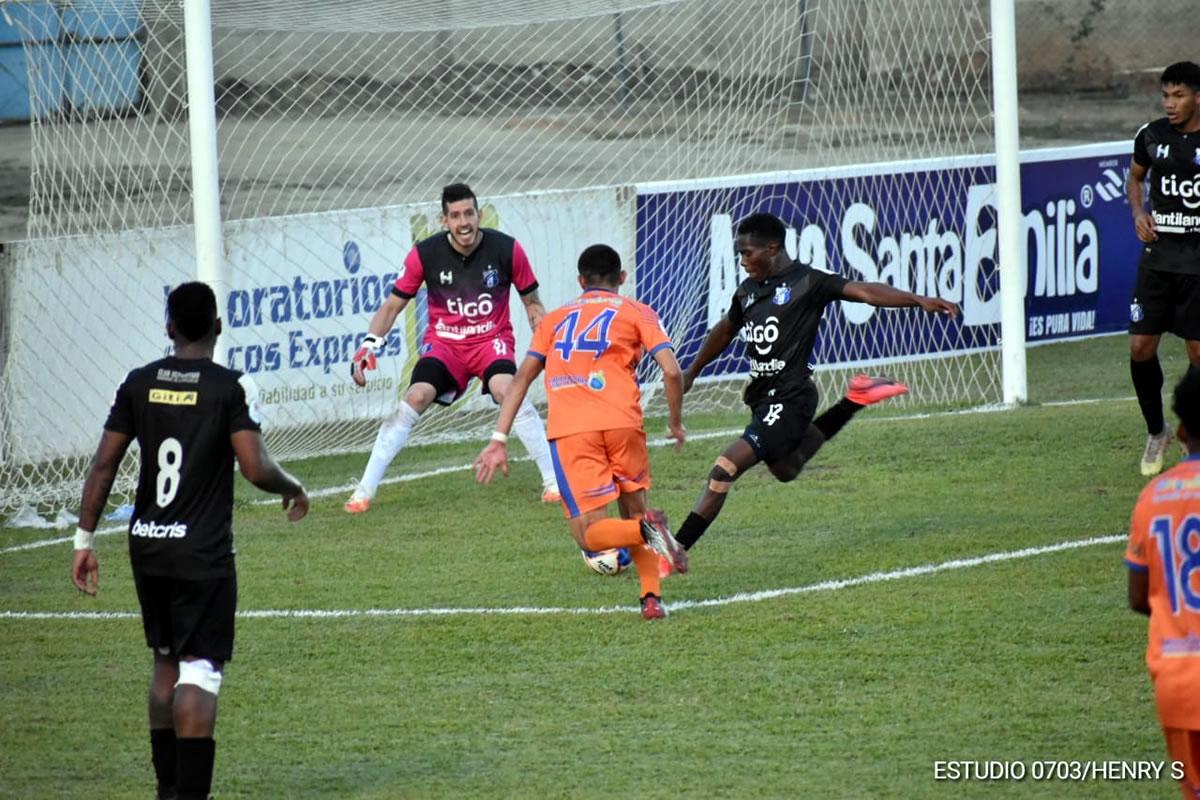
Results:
<point x="532" y="433"/>
<point x="393" y="433"/>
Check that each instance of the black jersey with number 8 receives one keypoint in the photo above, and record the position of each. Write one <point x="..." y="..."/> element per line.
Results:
<point x="182" y="413"/>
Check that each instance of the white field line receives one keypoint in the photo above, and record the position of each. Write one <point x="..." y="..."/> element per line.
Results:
<point x="741" y="597"/>
<point x="697" y="437"/>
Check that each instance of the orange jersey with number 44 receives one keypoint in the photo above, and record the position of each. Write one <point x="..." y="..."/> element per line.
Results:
<point x="591" y="348"/>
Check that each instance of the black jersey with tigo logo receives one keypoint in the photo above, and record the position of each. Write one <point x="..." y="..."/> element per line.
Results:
<point x="182" y="413"/>
<point x="1173" y="158"/>
<point x="778" y="321"/>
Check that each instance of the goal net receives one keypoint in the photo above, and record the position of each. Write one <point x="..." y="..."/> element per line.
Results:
<point x="651" y="125"/>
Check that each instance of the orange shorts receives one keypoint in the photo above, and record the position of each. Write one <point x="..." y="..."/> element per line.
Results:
<point x="596" y="467"/>
<point x="1184" y="746"/>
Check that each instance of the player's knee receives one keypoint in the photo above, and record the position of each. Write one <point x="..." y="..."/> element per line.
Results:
<point x="722" y="475"/>
<point x="200" y="673"/>
<point x="785" y="473"/>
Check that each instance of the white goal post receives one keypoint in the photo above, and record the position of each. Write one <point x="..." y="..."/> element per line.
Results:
<point x="651" y="125"/>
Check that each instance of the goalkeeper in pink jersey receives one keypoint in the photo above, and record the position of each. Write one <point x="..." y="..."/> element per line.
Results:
<point x="467" y="271"/>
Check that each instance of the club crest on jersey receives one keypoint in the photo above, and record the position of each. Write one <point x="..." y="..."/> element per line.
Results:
<point x="596" y="381"/>
<point x="782" y="295"/>
<point x="491" y="278"/>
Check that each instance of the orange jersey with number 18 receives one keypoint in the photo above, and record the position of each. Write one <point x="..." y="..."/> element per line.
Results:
<point x="591" y="347"/>
<point x="1164" y="541"/>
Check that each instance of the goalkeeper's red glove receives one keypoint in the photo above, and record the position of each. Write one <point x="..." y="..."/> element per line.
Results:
<point x="364" y="358"/>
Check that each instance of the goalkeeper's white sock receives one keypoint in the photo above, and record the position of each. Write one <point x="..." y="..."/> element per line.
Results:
<point x="532" y="433"/>
<point x="393" y="433"/>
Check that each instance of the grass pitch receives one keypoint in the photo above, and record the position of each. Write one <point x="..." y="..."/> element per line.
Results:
<point x="452" y="644"/>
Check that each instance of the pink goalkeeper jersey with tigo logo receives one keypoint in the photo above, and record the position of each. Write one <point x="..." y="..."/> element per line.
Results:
<point x="468" y="295"/>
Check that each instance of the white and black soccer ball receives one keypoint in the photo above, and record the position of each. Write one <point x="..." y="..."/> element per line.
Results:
<point x="607" y="562"/>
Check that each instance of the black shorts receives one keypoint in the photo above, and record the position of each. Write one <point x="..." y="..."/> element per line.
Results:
<point x="778" y="425"/>
<point x="188" y="618"/>
<point x="1165" y="302"/>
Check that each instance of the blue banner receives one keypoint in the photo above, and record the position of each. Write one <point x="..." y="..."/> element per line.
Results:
<point x="928" y="227"/>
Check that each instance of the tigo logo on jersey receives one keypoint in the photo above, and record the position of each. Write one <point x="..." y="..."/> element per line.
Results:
<point x="761" y="336"/>
<point x="596" y="381"/>
<point x="782" y="295"/>
<point x="155" y="530"/>
<point x="172" y="398"/>
<point x="491" y="278"/>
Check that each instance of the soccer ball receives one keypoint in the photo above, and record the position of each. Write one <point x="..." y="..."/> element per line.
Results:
<point x="607" y="562"/>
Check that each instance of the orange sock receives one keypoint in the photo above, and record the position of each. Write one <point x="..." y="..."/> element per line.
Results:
<point x="608" y="533"/>
<point x="646" y="561"/>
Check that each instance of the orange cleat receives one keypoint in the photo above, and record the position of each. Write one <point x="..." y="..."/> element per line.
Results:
<point x="865" y="390"/>
<point x="550" y="495"/>
<point x="357" y="505"/>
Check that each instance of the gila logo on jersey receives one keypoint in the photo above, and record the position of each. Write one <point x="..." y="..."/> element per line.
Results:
<point x="596" y="381"/>
<point x="782" y="295"/>
<point x="172" y="398"/>
<point x="491" y="278"/>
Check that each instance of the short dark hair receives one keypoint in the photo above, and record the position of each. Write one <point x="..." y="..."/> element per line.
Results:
<point x="1187" y="402"/>
<point x="1185" y="73"/>
<point x="599" y="263"/>
<point x="455" y="192"/>
<point x="192" y="309"/>
<point x="764" y="229"/>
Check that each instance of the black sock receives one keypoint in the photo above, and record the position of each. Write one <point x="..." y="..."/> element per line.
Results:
<point x="194" y="767"/>
<point x="1147" y="384"/>
<point x="162" y="755"/>
<point x="836" y="417"/>
<point x="693" y="528"/>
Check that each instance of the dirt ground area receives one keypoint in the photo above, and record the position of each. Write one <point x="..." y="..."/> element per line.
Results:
<point x="1048" y="119"/>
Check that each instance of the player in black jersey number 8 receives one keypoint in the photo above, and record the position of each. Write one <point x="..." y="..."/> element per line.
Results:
<point x="191" y="417"/>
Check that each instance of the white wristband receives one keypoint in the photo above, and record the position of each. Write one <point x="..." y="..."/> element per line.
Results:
<point x="84" y="540"/>
<point x="497" y="436"/>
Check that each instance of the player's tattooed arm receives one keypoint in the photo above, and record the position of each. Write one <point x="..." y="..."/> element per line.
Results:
<point x="534" y="309"/>
<point x="714" y="344"/>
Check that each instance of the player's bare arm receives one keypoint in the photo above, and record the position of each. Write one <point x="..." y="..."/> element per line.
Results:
<point x="495" y="455"/>
<point x="714" y="344"/>
<point x="533" y="309"/>
<point x="883" y="296"/>
<point x="365" y="358"/>
<point x="1139" y="591"/>
<point x="673" y="388"/>
<point x="85" y="568"/>
<point x="1143" y="221"/>
<point x="257" y="466"/>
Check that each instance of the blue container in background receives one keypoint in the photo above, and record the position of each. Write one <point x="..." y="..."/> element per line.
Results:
<point x="103" y="77"/>
<point x="104" y="60"/>
<point x="31" y="86"/>
<point x="106" y="19"/>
